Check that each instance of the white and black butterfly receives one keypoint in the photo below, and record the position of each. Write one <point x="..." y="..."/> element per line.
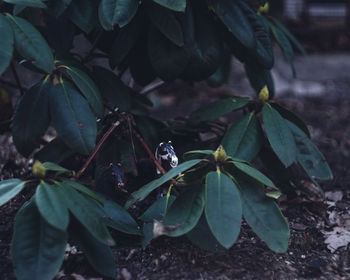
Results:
<point x="166" y="156"/>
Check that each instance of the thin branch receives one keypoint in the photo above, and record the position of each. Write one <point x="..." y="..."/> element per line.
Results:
<point x="148" y="150"/>
<point x="149" y="88"/>
<point x="17" y="78"/>
<point x="93" y="46"/>
<point x="97" y="148"/>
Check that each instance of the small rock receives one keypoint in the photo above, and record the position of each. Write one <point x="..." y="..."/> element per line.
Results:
<point x="126" y="275"/>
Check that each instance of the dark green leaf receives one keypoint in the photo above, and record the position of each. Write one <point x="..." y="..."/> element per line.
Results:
<point x="55" y="167"/>
<point x="88" y="212"/>
<point x="218" y="108"/>
<point x="244" y="138"/>
<point x="285" y="46"/>
<point x="9" y="189"/>
<point x="6" y="44"/>
<point x="175" y="5"/>
<point x="158" y="209"/>
<point x="37" y="249"/>
<point x="279" y="135"/>
<point x="119" y="12"/>
<point x="197" y="174"/>
<point x="51" y="206"/>
<point x="57" y="7"/>
<point x="83" y="13"/>
<point x="55" y="151"/>
<point x="222" y="74"/>
<point x="27" y="3"/>
<point x="167" y="59"/>
<point x="197" y="153"/>
<point x="254" y="173"/>
<point x="203" y="45"/>
<point x="125" y="41"/>
<point x="31" y="117"/>
<point x="166" y="22"/>
<point x="259" y="77"/>
<point x="292" y="117"/>
<point x="72" y="118"/>
<point x="60" y="33"/>
<point x="112" y="88"/>
<point x="202" y="237"/>
<point x="82" y="189"/>
<point x="235" y="20"/>
<point x="309" y="157"/>
<point x="98" y="254"/>
<point x="119" y="219"/>
<point x="147" y="234"/>
<point x="223" y="208"/>
<point x="186" y="210"/>
<point x="263" y="215"/>
<point x="143" y="192"/>
<point x="30" y="44"/>
<point x="289" y="35"/>
<point x="87" y="88"/>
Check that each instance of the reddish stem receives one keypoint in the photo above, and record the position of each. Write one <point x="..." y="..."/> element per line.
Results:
<point x="97" y="148"/>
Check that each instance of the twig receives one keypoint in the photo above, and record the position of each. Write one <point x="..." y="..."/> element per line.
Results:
<point x="148" y="150"/>
<point x="17" y="78"/>
<point x="97" y="148"/>
<point x="93" y="46"/>
<point x="149" y="88"/>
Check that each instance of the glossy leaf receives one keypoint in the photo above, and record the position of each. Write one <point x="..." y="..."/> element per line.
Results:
<point x="222" y="74"/>
<point x="87" y="88"/>
<point x="9" y="189"/>
<point x="263" y="215"/>
<point x="27" y="3"/>
<point x="167" y="59"/>
<point x="292" y="117"/>
<point x="186" y="210"/>
<point x="82" y="189"/>
<point x="197" y="153"/>
<point x="218" y="108"/>
<point x="6" y="44"/>
<point x="119" y="219"/>
<point x="87" y="211"/>
<point x="259" y="77"/>
<point x="143" y="192"/>
<point x="50" y="166"/>
<point x="37" y="249"/>
<point x="57" y="7"/>
<point x="31" y="117"/>
<point x="125" y="41"/>
<point x="30" y="43"/>
<point x="254" y="173"/>
<point x="166" y="22"/>
<point x="235" y="20"/>
<point x="289" y="35"/>
<point x="243" y="139"/>
<point x="119" y="12"/>
<point x="83" y="14"/>
<point x="203" y="45"/>
<point x="223" y="208"/>
<point x="309" y="156"/>
<point x="279" y="135"/>
<point x="202" y="237"/>
<point x="51" y="206"/>
<point x="158" y="209"/>
<point x="112" y="88"/>
<point x="98" y="254"/>
<point x="285" y="46"/>
<point x="72" y="118"/>
<point x="175" y="5"/>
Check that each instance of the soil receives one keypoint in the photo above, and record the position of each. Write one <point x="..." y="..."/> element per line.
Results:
<point x="307" y="256"/>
